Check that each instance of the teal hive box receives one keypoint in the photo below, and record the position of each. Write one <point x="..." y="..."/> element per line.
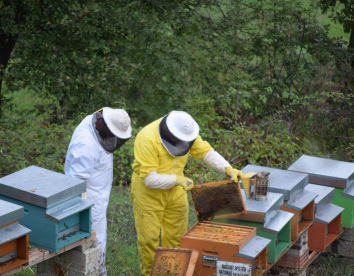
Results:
<point x="53" y="207"/>
<point x="332" y="173"/>
<point x="270" y="222"/>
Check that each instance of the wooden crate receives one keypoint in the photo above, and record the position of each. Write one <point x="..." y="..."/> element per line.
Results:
<point x="301" y="220"/>
<point x="218" y="242"/>
<point x="174" y="262"/>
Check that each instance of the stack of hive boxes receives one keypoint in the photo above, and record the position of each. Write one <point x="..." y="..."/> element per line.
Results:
<point x="53" y="207"/>
<point x="332" y="173"/>
<point x="296" y="200"/>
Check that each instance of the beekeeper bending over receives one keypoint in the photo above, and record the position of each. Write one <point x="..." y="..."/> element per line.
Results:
<point x="158" y="189"/>
<point x="90" y="158"/>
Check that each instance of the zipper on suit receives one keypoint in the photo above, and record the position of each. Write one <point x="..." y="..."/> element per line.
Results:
<point x="173" y="172"/>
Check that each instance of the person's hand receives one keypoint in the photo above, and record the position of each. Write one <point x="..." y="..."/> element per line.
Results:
<point x="236" y="175"/>
<point x="186" y="183"/>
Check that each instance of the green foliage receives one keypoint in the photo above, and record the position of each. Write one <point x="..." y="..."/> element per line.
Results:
<point x="33" y="142"/>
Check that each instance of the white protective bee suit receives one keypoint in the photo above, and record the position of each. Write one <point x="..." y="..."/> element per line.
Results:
<point x="90" y="157"/>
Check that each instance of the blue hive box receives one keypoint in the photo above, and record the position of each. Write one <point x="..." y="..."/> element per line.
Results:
<point x="53" y="207"/>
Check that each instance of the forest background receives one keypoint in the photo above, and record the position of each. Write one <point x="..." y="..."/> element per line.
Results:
<point x="267" y="81"/>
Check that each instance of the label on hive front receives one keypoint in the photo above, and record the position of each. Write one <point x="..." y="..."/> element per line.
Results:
<point x="233" y="269"/>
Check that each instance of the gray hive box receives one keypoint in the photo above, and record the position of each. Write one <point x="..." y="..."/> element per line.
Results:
<point x="54" y="209"/>
<point x="13" y="237"/>
<point x="327" y="172"/>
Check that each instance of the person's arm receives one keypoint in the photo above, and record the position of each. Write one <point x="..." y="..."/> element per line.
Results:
<point x="203" y="151"/>
<point x="80" y="162"/>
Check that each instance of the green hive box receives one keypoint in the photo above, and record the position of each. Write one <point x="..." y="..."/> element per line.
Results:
<point x="347" y="203"/>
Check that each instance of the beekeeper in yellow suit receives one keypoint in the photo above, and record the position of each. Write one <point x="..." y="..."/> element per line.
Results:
<point x="158" y="189"/>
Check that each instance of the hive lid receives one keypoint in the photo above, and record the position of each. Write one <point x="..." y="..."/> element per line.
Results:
<point x="277" y="223"/>
<point x="174" y="261"/>
<point x="12" y="232"/>
<point x="300" y="199"/>
<point x="326" y="213"/>
<point x="349" y="191"/>
<point x="281" y="181"/>
<point x="217" y="200"/>
<point x="325" y="171"/>
<point x="9" y="212"/>
<point x="253" y="248"/>
<point x="41" y="187"/>
<point x="68" y="208"/>
<point x="325" y="193"/>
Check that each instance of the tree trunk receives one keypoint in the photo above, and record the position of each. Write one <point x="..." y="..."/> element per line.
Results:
<point x="351" y="45"/>
<point x="7" y="43"/>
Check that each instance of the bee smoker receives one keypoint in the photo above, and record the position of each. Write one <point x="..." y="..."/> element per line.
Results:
<point x="261" y="185"/>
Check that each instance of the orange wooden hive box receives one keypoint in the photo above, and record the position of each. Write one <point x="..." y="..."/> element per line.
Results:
<point x="223" y="248"/>
<point x="327" y="225"/>
<point x="14" y="242"/>
<point x="302" y="219"/>
<point x="174" y="261"/>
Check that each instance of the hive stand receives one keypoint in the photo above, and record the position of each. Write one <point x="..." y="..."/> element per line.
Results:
<point x="326" y="228"/>
<point x="333" y="173"/>
<point x="13" y="237"/>
<point x="297" y="200"/>
<point x="81" y="258"/>
<point x="53" y="207"/>
<point x="270" y="222"/>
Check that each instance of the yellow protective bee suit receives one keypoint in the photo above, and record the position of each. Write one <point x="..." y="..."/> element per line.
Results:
<point x="159" y="209"/>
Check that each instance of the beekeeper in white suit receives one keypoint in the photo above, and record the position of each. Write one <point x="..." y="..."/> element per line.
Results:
<point x="90" y="158"/>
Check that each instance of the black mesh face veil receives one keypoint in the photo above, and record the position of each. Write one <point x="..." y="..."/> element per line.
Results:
<point x="120" y="142"/>
<point x="174" y="146"/>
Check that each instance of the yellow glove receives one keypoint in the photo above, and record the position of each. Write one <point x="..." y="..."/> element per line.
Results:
<point x="234" y="174"/>
<point x="185" y="182"/>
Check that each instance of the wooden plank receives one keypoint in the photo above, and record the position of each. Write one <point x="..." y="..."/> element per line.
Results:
<point x="38" y="255"/>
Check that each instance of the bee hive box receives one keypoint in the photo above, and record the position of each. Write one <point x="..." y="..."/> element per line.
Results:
<point x="174" y="262"/>
<point x="224" y="247"/>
